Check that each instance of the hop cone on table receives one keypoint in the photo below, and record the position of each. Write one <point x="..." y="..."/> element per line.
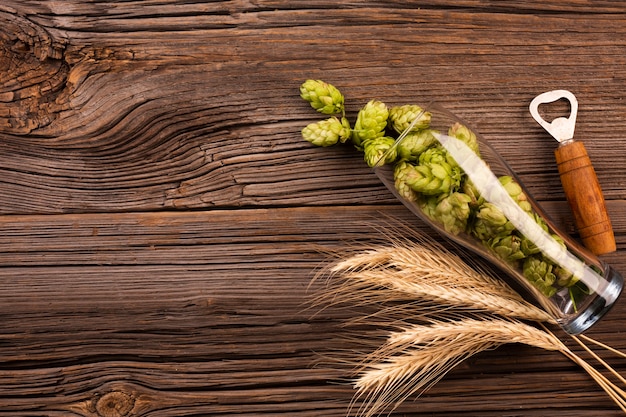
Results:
<point x="414" y="143"/>
<point x="370" y="123"/>
<point x="375" y="150"/>
<point x="326" y="132"/>
<point x="323" y="97"/>
<point x="401" y="117"/>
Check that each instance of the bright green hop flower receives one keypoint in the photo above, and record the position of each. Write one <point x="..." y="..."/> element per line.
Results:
<point x="434" y="175"/>
<point x="463" y="133"/>
<point x="414" y="143"/>
<point x="453" y="211"/>
<point x="346" y="133"/>
<point x="326" y="132"/>
<point x="323" y="97"/>
<point x="436" y="155"/>
<point x="491" y="223"/>
<point x="370" y="123"/>
<point x="508" y="248"/>
<point x="540" y="274"/>
<point x="401" y="117"/>
<point x="401" y="172"/>
<point x="376" y="149"/>
<point x="434" y="179"/>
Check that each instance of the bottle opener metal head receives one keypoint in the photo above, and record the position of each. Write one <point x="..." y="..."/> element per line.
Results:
<point x="561" y="128"/>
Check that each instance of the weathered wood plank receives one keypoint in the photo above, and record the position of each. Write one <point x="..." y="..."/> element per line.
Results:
<point x="158" y="107"/>
<point x="205" y="313"/>
<point x="133" y="111"/>
<point x="173" y="238"/>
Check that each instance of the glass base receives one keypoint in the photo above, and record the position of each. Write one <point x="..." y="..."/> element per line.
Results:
<point x="598" y="307"/>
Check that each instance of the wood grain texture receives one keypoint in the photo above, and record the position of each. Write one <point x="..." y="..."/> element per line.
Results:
<point x="202" y="117"/>
<point x="161" y="217"/>
<point x="206" y="313"/>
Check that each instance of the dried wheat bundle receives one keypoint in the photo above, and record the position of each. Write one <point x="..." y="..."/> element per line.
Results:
<point x="419" y="268"/>
<point x="435" y="310"/>
<point x="415" y="358"/>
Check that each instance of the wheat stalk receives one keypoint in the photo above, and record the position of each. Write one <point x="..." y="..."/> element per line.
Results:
<point x="411" y="285"/>
<point x="429" y="271"/>
<point x="439" y="310"/>
<point x="415" y="358"/>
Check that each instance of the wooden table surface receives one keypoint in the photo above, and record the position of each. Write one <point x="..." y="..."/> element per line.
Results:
<point x="161" y="217"/>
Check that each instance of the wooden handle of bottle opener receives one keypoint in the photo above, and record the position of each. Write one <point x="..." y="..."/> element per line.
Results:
<point x="584" y="195"/>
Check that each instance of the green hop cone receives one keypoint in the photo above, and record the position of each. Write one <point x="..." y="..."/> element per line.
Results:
<point x="370" y="123"/>
<point x="401" y="117"/>
<point x="323" y="97"/>
<point x="508" y="248"/>
<point x="453" y="211"/>
<point x="414" y="143"/>
<point x="540" y="273"/>
<point x="428" y="205"/>
<point x="491" y="223"/>
<point x="528" y="246"/>
<point x="436" y="155"/>
<point x="516" y="192"/>
<point x="401" y="172"/>
<point x="376" y="149"/>
<point x="433" y="156"/>
<point x="326" y="132"/>
<point x="470" y="189"/>
<point x="434" y="175"/>
<point x="346" y="133"/>
<point x="433" y="179"/>
<point x="462" y="133"/>
<point x="564" y="278"/>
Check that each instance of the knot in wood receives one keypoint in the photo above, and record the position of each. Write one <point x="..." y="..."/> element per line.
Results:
<point x="33" y="75"/>
<point x="115" y="404"/>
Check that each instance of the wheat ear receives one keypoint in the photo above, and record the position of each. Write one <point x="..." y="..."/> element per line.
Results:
<point x="467" y="310"/>
<point x="429" y="271"/>
<point x="418" y="356"/>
